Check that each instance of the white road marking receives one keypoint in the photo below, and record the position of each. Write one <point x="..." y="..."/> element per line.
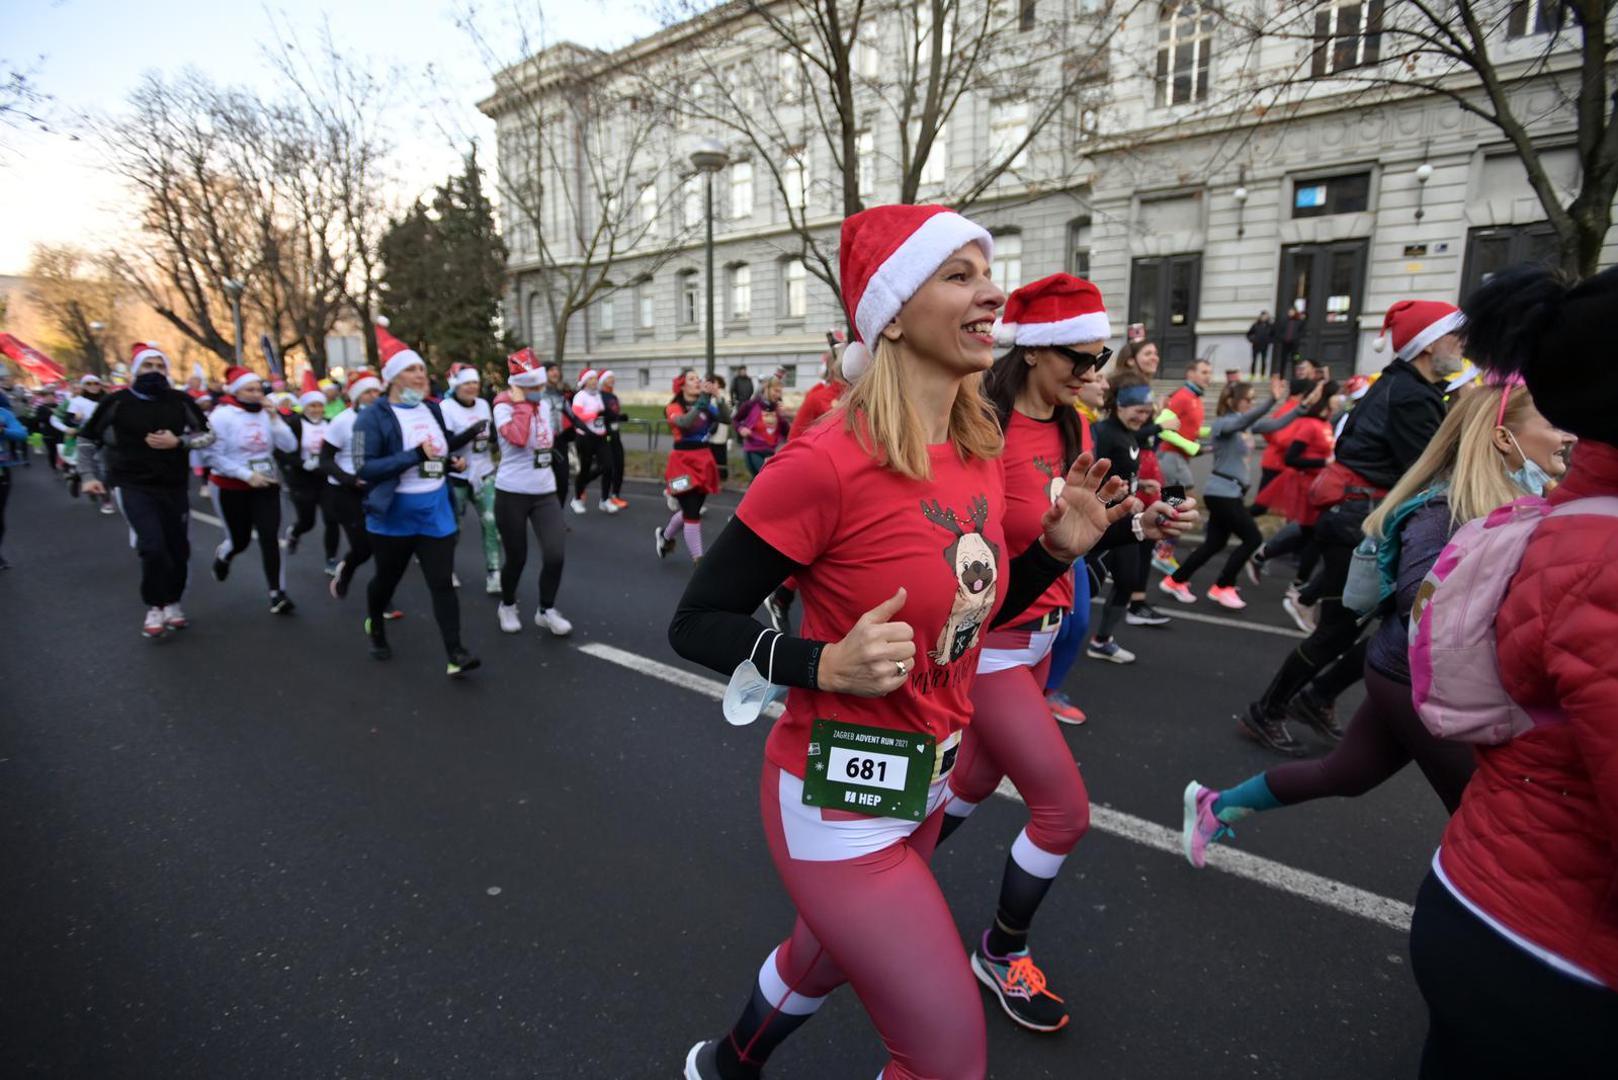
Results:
<point x="1218" y="620"/>
<point x="1394" y="914"/>
<point x="207" y="519"/>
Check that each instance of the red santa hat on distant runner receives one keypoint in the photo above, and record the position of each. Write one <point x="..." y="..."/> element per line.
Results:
<point x="142" y="351"/>
<point x="1413" y="325"/>
<point x="238" y="378"/>
<point x="461" y="374"/>
<point x="397" y="357"/>
<point x="1056" y="310"/>
<point x="361" y="380"/>
<point x="602" y="382"/>
<point x="525" y="369"/>
<point x="587" y="374"/>
<point x="886" y="254"/>
<point x="311" y="394"/>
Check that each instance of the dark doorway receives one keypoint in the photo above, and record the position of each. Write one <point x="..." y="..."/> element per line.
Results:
<point x="1326" y="283"/>
<point x="1163" y="295"/>
<point x="1490" y="250"/>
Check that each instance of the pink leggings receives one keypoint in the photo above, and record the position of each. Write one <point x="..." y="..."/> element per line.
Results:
<point x="1013" y="734"/>
<point x="880" y="923"/>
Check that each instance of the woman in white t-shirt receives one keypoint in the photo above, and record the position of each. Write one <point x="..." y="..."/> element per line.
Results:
<point x="465" y="411"/>
<point x="527" y="424"/>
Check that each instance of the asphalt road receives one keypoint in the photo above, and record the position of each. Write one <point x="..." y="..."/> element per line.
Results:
<point x="253" y="852"/>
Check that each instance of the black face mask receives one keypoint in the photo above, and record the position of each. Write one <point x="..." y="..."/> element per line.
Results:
<point x="151" y="383"/>
<point x="93" y="395"/>
<point x="251" y="407"/>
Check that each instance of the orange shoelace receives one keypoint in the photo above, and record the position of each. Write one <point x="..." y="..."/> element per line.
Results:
<point x="1022" y="970"/>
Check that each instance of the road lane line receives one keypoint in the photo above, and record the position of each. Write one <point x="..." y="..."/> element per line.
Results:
<point x="1394" y="914"/>
<point x="207" y="519"/>
<point x="1219" y="620"/>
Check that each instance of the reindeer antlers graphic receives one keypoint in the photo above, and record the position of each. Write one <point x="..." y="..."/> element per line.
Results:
<point x="980" y="512"/>
<point x="1045" y="467"/>
<point x="941" y="517"/>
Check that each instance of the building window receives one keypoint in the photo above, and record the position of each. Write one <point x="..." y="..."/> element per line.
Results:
<point x="865" y="161"/>
<point x="1008" y="132"/>
<point x="795" y="178"/>
<point x="1006" y="270"/>
<point x="1184" y="36"/>
<point x="924" y="30"/>
<point x="605" y="317"/>
<point x="1348" y="34"/>
<point x="787" y="75"/>
<point x="795" y="285"/>
<point x="1078" y="248"/>
<point x="741" y="291"/>
<point x="643" y="377"/>
<point x="933" y="169"/>
<point x="866" y="61"/>
<point x="690" y="298"/>
<point x="789" y="376"/>
<point x="1530" y="17"/>
<point x="741" y="191"/>
<point x="645" y="305"/>
<point x="646" y="206"/>
<point x="1026" y="17"/>
<point x="1332" y="195"/>
<point x="691" y="202"/>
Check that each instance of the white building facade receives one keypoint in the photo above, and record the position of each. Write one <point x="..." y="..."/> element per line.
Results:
<point x="1189" y="222"/>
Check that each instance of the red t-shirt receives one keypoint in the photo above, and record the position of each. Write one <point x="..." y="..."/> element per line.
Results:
<point x="821" y="398"/>
<point x="1275" y="446"/>
<point x="1035" y="473"/>
<point x="861" y="531"/>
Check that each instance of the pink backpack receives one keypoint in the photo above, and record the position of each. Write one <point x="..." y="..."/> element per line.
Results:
<point x="1454" y="675"/>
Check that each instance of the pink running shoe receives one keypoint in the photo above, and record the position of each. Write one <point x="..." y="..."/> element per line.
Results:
<point x="1201" y="827"/>
<point x="1178" y="590"/>
<point x="1226" y="596"/>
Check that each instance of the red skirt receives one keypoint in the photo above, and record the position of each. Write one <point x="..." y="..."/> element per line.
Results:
<point x="1288" y="495"/>
<point x="691" y="470"/>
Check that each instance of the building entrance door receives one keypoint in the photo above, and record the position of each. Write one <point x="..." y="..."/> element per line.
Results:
<point x="1163" y="295"/>
<point x="1326" y="283"/>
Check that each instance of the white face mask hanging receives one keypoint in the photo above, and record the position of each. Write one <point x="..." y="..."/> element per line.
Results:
<point x="750" y="693"/>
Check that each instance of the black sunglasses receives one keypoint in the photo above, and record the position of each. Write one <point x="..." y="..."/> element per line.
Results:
<point x="1083" y="361"/>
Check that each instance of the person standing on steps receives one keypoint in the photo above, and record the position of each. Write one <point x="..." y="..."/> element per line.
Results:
<point x="1260" y="335"/>
<point x="528" y="423"/>
<point x="246" y="484"/>
<point x="402" y="452"/>
<point x="140" y="439"/>
<point x="464" y="411"/>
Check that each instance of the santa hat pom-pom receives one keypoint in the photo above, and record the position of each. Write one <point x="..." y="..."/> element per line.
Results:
<point x="856" y="360"/>
<point x="1380" y="343"/>
<point x="1005" y="334"/>
<point x="382" y="321"/>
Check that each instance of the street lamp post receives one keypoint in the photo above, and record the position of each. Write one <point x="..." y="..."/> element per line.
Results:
<point x="708" y="158"/>
<point x="233" y="289"/>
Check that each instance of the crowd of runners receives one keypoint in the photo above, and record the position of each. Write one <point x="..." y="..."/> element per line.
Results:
<point x="941" y="508"/>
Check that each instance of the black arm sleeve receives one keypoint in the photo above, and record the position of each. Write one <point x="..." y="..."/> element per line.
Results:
<point x="459" y="440"/>
<point x="1296" y="460"/>
<point x="1031" y="573"/>
<point x="714" y="624"/>
<point x="329" y="466"/>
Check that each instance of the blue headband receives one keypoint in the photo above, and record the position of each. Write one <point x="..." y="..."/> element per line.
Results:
<point x="1135" y="395"/>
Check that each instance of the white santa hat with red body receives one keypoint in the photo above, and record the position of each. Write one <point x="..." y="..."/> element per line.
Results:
<point x="524" y="369"/>
<point x="601" y="383"/>
<point x="359" y="381"/>
<point x="397" y="357"/>
<point x="142" y="351"/>
<point x="1056" y="310"/>
<point x="1413" y="325"/>
<point x="238" y="378"/>
<point x="886" y="254"/>
<point x="461" y="374"/>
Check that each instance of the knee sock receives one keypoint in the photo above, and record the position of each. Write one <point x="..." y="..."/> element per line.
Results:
<point x="693" y="537"/>
<point x="956" y="811"/>
<point x="1028" y="876"/>
<point x="1246" y="797"/>
<point x="772" y="1013"/>
<point x="1109" y="621"/>
<point x="675" y="521"/>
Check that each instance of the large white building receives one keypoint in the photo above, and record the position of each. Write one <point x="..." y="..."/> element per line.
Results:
<point x="1170" y="178"/>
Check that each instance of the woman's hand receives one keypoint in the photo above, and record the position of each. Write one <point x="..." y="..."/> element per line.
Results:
<point x="1081" y="513"/>
<point x="1160" y="521"/>
<point x="876" y="656"/>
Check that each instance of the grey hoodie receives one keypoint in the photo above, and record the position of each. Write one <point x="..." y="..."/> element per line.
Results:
<point x="1230" y="450"/>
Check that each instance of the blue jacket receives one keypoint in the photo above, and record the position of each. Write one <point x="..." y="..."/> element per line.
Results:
<point x="380" y="456"/>
<point x="11" y="431"/>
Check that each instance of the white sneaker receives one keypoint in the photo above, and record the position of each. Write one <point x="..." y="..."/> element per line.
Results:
<point x="607" y="507"/>
<point x="553" y="620"/>
<point x="1303" y="615"/>
<point x="510" y="621"/>
<point x="491" y="584"/>
<point x="454" y="579"/>
<point x="577" y="506"/>
<point x="174" y="618"/>
<point x="108" y="508"/>
<point x="153" y="627"/>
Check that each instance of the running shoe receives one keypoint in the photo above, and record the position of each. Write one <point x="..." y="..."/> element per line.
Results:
<point x="1020" y="987"/>
<point x="1270" y="732"/>
<point x="510" y="620"/>
<point x="289" y="540"/>
<point x="389" y="616"/>
<point x="664" y="546"/>
<point x="1109" y="650"/>
<point x="607" y="506"/>
<point x="1141" y="613"/>
<point x="578" y="506"/>
<point x="491" y="583"/>
<point x="340" y="579"/>
<point x="454" y="580"/>
<point x="1294" y="590"/>
<point x="702" y="1062"/>
<point x="107" y="507"/>
<point x="281" y="603"/>
<point x="221" y="568"/>
<point x="461" y="661"/>
<point x="331" y="567"/>
<point x="619" y="502"/>
<point x="174" y="618"/>
<point x="1179" y="590"/>
<point x="1063" y="709"/>
<point x="153" y="628"/>
<point x="1201" y="827"/>
<point x="1254" y="568"/>
<point x="1226" y="596"/>
<point x="554" y="621"/>
<point x="379" y="640"/>
<point x="1301" y="613"/>
<point x="1307" y="708"/>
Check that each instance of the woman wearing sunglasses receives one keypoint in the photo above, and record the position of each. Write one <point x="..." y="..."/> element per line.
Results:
<point x="1057" y="327"/>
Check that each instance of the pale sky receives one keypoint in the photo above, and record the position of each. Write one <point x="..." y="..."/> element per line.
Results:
<point x="89" y="54"/>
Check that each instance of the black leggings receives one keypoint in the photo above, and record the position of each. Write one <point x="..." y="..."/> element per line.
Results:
<point x="1385" y="735"/>
<point x="1496" y="1011"/>
<point x="1130" y="565"/>
<point x="514" y="514"/>
<point x="255" y="510"/>
<point x="343" y="505"/>
<point x="562" y="468"/>
<point x="1295" y="538"/>
<point x="437" y="557"/>
<point x="306" y="502"/>
<point x="160" y="518"/>
<point x="5" y="496"/>
<point x="612" y="471"/>
<point x="1227" y="516"/>
<point x="592" y="462"/>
